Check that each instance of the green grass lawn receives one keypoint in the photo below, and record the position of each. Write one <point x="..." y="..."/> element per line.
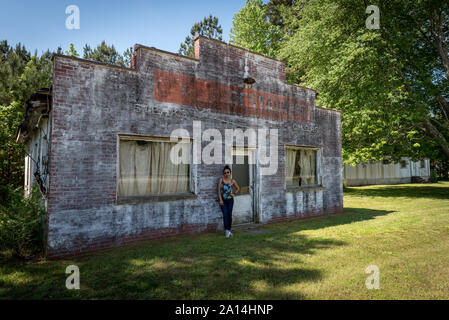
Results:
<point x="404" y="230"/>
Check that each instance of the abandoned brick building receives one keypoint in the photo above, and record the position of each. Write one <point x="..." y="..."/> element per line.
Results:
<point x="98" y="144"/>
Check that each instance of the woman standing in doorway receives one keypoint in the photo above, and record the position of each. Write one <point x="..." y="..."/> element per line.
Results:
<point x="227" y="198"/>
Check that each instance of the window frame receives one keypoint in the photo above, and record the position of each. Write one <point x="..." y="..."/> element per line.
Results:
<point x="422" y="164"/>
<point x="252" y="163"/>
<point x="318" y="184"/>
<point x="180" y="196"/>
<point x="403" y="164"/>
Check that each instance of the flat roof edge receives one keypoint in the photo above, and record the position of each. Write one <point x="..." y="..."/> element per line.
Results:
<point x="328" y="109"/>
<point x="237" y="47"/>
<point x="139" y="46"/>
<point x="104" y="64"/>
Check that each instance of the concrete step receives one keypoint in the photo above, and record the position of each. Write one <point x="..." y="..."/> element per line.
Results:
<point x="245" y="226"/>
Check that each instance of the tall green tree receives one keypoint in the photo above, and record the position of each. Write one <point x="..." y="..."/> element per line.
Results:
<point x="108" y="54"/>
<point x="274" y="11"/>
<point x="71" y="51"/>
<point x="127" y="56"/>
<point x="12" y="63"/>
<point x="251" y="29"/>
<point x="209" y="27"/>
<point x="20" y="75"/>
<point x="391" y="84"/>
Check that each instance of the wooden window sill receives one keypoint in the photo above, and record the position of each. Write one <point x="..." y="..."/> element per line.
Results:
<point x="157" y="198"/>
<point x="294" y="189"/>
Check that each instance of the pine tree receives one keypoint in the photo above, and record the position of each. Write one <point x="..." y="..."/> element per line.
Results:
<point x="71" y="52"/>
<point x="209" y="27"/>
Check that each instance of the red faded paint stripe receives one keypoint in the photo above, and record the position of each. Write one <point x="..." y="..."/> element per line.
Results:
<point x="186" y="90"/>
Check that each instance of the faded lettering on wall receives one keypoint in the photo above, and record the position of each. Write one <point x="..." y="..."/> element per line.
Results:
<point x="186" y="90"/>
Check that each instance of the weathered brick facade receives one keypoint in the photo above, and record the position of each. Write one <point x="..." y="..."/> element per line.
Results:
<point x="93" y="103"/>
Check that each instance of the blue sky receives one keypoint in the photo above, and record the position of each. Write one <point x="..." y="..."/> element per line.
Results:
<point x="162" y="24"/>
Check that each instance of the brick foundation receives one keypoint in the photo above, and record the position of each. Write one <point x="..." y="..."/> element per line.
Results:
<point x="113" y="242"/>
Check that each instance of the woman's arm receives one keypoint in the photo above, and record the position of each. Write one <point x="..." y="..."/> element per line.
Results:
<point x="237" y="188"/>
<point x="219" y="192"/>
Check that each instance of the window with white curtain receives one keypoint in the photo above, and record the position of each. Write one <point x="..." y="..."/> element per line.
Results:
<point x="145" y="168"/>
<point x="300" y="166"/>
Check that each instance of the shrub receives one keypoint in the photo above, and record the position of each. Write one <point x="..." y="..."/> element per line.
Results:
<point x="22" y="223"/>
<point x="433" y="176"/>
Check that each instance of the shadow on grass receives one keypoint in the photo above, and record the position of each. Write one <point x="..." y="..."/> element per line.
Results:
<point x="203" y="266"/>
<point x="206" y="266"/>
<point x="434" y="191"/>
<point x="350" y="215"/>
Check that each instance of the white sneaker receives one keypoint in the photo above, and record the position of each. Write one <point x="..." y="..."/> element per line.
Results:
<point x="227" y="233"/>
<point x="230" y="233"/>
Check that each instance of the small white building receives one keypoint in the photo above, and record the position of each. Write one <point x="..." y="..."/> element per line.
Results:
<point x="383" y="172"/>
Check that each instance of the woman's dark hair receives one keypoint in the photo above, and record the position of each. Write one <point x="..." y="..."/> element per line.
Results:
<point x="226" y="167"/>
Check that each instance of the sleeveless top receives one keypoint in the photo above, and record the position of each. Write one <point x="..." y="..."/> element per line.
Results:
<point x="226" y="189"/>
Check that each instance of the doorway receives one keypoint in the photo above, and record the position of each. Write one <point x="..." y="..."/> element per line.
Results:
<point x="243" y="172"/>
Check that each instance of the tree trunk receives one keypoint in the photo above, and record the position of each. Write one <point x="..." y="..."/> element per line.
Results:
<point x="437" y="136"/>
<point x="441" y="44"/>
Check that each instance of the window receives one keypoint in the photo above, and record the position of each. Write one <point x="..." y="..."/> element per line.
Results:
<point x="423" y="164"/>
<point x="301" y="166"/>
<point x="403" y="164"/>
<point x="145" y="168"/>
<point x="242" y="168"/>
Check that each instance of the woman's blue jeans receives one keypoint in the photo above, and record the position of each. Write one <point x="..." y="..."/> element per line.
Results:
<point x="226" y="208"/>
